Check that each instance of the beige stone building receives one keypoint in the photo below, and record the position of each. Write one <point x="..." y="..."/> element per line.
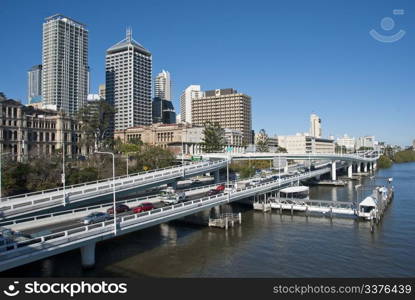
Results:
<point x="302" y="143"/>
<point x="27" y="131"/>
<point x="228" y="108"/>
<point x="174" y="136"/>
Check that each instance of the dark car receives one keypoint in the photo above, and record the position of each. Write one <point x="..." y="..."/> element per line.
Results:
<point x="212" y="192"/>
<point x="143" y="207"/>
<point x="120" y="208"/>
<point x="95" y="217"/>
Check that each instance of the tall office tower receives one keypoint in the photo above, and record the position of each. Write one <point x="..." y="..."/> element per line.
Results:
<point x="34" y="92"/>
<point x="65" y="64"/>
<point x="190" y="93"/>
<point x="315" y="128"/>
<point x="128" y="83"/>
<point x="228" y="108"/>
<point x="162" y="86"/>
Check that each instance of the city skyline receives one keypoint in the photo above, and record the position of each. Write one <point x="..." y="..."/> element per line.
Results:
<point x="285" y="88"/>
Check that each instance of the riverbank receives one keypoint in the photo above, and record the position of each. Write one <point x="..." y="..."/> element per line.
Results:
<point x="400" y="157"/>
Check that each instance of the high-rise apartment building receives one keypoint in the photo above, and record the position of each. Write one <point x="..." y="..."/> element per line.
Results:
<point x="162" y="86"/>
<point x="128" y="83"/>
<point x="228" y="108"/>
<point x="315" y="126"/>
<point x="190" y="93"/>
<point x="34" y="92"/>
<point x="65" y="64"/>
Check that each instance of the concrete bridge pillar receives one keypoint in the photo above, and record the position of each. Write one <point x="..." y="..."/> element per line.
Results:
<point x="375" y="165"/>
<point x="88" y="255"/>
<point x="365" y="167"/>
<point x="370" y="167"/>
<point x="350" y="170"/>
<point x="333" y="170"/>
<point x="216" y="176"/>
<point x="358" y="167"/>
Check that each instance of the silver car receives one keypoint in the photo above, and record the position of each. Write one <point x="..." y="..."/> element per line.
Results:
<point x="95" y="217"/>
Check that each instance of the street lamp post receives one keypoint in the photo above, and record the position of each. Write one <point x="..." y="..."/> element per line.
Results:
<point x="1" y="158"/>
<point x="113" y="188"/>
<point x="183" y="153"/>
<point x="63" y="170"/>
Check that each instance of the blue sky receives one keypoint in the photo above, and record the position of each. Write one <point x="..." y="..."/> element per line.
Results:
<point x="292" y="57"/>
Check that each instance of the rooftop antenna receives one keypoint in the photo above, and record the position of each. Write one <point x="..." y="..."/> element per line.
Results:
<point x="129" y="34"/>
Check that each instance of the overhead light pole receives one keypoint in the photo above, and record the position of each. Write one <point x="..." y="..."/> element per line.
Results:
<point x="113" y="188"/>
<point x="63" y="169"/>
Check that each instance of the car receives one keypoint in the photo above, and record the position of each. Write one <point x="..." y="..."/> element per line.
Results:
<point x="146" y="206"/>
<point x="212" y="192"/>
<point x="119" y="208"/>
<point x="220" y="188"/>
<point x="95" y="217"/>
<point x="174" y="198"/>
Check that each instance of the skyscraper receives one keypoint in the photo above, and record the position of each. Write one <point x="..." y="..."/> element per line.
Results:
<point x="190" y="93"/>
<point x="65" y="64"/>
<point x="163" y="111"/>
<point x="315" y="126"/>
<point x="34" y="92"/>
<point x="162" y="86"/>
<point x="128" y="83"/>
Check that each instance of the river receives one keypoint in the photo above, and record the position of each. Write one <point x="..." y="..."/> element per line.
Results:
<point x="266" y="245"/>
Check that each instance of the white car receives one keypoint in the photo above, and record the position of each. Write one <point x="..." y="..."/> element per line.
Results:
<point x="174" y="198"/>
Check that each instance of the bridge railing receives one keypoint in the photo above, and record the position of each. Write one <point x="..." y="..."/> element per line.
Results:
<point x="103" y="190"/>
<point x="71" y="187"/>
<point x="98" y="206"/>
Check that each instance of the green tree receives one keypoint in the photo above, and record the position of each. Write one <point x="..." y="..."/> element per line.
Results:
<point x="77" y="175"/>
<point x="384" y="162"/>
<point x="14" y="178"/>
<point x="281" y="150"/>
<point x="214" y="138"/>
<point x="95" y="119"/>
<point x="404" y="156"/>
<point x="262" y="141"/>
<point x="340" y="149"/>
<point x="363" y="148"/>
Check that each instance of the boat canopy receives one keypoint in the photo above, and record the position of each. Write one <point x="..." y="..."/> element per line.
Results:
<point x="368" y="202"/>
<point x="295" y="189"/>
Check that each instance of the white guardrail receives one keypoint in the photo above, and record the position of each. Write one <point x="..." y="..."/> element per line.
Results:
<point x="126" y="224"/>
<point x="42" y="200"/>
<point x="99" y="206"/>
<point x="360" y="157"/>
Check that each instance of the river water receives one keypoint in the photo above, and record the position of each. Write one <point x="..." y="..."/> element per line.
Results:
<point x="266" y="245"/>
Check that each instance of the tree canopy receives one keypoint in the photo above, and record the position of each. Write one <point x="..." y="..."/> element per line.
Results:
<point x="95" y="119"/>
<point x="214" y="137"/>
<point x="262" y="141"/>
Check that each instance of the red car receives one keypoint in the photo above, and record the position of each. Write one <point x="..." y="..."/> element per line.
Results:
<point x="143" y="207"/>
<point x="119" y="208"/>
<point x="220" y="188"/>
